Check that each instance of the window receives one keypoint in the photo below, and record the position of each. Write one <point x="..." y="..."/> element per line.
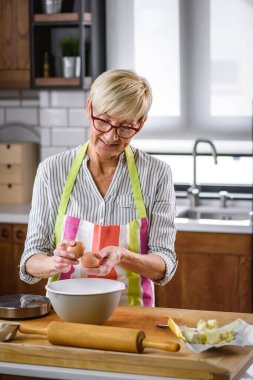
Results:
<point x="231" y="51"/>
<point x="156" y="52"/>
<point x="198" y="58"/>
<point x="207" y="172"/>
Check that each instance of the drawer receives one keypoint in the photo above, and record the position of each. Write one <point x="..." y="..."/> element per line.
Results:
<point x="19" y="233"/>
<point x="10" y="173"/>
<point x="11" y="153"/>
<point x="5" y="233"/>
<point x="14" y="194"/>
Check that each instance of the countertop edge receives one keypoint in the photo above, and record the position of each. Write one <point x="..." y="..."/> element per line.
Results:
<point x="20" y="214"/>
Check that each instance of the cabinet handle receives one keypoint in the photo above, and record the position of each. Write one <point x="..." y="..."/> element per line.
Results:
<point x="19" y="234"/>
<point x="5" y="233"/>
<point x="8" y="166"/>
<point x="9" y="185"/>
<point x="8" y="146"/>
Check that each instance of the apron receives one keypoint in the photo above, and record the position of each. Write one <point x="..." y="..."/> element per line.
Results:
<point x="132" y="236"/>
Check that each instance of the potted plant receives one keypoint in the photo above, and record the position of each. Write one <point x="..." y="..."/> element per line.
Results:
<point x="70" y="56"/>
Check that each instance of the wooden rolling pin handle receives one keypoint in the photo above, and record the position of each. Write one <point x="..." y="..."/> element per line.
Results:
<point x="166" y="346"/>
<point x="32" y="329"/>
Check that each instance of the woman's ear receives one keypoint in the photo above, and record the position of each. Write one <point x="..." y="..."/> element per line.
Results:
<point x="88" y="108"/>
<point x="143" y="121"/>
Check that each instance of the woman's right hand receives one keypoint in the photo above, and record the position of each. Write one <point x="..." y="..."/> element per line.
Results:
<point x="43" y="266"/>
<point x="62" y="258"/>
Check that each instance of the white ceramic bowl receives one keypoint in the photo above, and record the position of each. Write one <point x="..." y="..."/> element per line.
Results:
<point x="85" y="300"/>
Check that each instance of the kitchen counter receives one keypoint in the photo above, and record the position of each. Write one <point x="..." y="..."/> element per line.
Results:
<point x="14" y="213"/>
<point x="34" y="355"/>
<point x="20" y="214"/>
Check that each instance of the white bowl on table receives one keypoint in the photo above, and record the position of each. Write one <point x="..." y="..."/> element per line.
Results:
<point x="85" y="300"/>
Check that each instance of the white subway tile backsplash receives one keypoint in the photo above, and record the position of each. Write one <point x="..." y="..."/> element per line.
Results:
<point x="29" y="94"/>
<point x="68" y="99"/>
<point x="44" y="99"/>
<point x="30" y="102"/>
<point x="1" y="116"/>
<point x="9" y="94"/>
<point x="53" y="117"/>
<point x="50" y="151"/>
<point x="9" y="102"/>
<point x="45" y="136"/>
<point x="77" y="118"/>
<point x="68" y="137"/>
<point x="22" y="115"/>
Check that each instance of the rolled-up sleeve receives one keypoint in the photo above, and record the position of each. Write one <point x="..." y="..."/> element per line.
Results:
<point x="162" y="232"/>
<point x="40" y="233"/>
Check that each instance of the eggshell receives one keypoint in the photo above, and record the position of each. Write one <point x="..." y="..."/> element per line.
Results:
<point x="77" y="249"/>
<point x="89" y="260"/>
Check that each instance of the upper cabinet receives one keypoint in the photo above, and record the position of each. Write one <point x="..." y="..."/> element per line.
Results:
<point x="14" y="44"/>
<point x="67" y="42"/>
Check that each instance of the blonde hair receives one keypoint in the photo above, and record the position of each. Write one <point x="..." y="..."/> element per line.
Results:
<point x="121" y="91"/>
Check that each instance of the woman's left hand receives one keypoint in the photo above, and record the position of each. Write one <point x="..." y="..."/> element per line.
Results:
<point x="110" y="256"/>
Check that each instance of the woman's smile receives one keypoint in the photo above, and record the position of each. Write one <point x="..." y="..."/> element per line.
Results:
<point x="107" y="145"/>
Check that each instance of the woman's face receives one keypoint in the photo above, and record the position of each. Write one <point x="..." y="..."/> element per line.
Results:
<point x="108" y="144"/>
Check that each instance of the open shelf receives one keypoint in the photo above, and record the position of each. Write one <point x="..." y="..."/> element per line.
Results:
<point x="61" y="17"/>
<point x="79" y="20"/>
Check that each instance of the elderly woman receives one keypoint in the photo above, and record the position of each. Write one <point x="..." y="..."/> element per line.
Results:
<point x="115" y="199"/>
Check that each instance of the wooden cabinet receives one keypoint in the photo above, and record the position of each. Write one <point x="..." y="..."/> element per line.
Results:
<point x="83" y="20"/>
<point x="14" y="44"/>
<point x="18" y="164"/>
<point x="12" y="238"/>
<point x="214" y="273"/>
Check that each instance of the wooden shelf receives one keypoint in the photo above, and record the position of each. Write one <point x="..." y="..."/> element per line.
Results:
<point x="57" y="81"/>
<point x="61" y="17"/>
<point x="62" y="82"/>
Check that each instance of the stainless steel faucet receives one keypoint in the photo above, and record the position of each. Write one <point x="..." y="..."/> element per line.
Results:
<point x="193" y="191"/>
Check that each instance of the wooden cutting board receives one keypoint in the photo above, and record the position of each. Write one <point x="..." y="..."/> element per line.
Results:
<point x="218" y="364"/>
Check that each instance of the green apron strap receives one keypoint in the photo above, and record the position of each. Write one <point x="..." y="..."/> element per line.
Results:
<point x="135" y="182"/>
<point x="67" y="190"/>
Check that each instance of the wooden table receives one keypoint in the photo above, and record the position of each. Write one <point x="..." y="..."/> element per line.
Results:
<point x="218" y="364"/>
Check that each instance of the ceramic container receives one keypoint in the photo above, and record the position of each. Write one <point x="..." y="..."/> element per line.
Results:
<point x="85" y="300"/>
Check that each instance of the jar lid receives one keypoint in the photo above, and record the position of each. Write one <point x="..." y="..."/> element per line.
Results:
<point x="19" y="306"/>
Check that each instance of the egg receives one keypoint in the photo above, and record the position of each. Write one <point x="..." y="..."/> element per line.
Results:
<point x="77" y="249"/>
<point x="89" y="260"/>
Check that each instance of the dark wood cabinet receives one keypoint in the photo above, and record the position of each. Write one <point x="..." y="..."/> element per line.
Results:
<point x="12" y="238"/>
<point x="14" y="44"/>
<point x="214" y="273"/>
<point x="81" y="19"/>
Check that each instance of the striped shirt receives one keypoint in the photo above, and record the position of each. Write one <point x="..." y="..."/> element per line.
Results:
<point x="115" y="208"/>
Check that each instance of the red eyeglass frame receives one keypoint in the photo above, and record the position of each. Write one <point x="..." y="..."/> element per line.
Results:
<point x="116" y="127"/>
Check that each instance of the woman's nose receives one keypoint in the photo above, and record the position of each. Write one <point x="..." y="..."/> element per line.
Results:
<point x="111" y="135"/>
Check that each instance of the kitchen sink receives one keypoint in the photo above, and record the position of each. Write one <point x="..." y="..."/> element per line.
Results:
<point x="230" y="213"/>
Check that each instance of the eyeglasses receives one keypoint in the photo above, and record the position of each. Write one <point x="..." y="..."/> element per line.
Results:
<point x="122" y="131"/>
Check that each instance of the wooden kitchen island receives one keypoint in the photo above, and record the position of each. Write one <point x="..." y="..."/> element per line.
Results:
<point x="33" y="355"/>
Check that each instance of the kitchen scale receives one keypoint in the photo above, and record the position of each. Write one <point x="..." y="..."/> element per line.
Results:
<point x="21" y="306"/>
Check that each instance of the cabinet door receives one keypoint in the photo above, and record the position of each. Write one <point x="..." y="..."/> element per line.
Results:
<point x="214" y="273"/>
<point x="14" y="44"/>
<point x="7" y="286"/>
<point x="19" y="236"/>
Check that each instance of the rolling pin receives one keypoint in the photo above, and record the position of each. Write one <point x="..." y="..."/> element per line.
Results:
<point x="98" y="337"/>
